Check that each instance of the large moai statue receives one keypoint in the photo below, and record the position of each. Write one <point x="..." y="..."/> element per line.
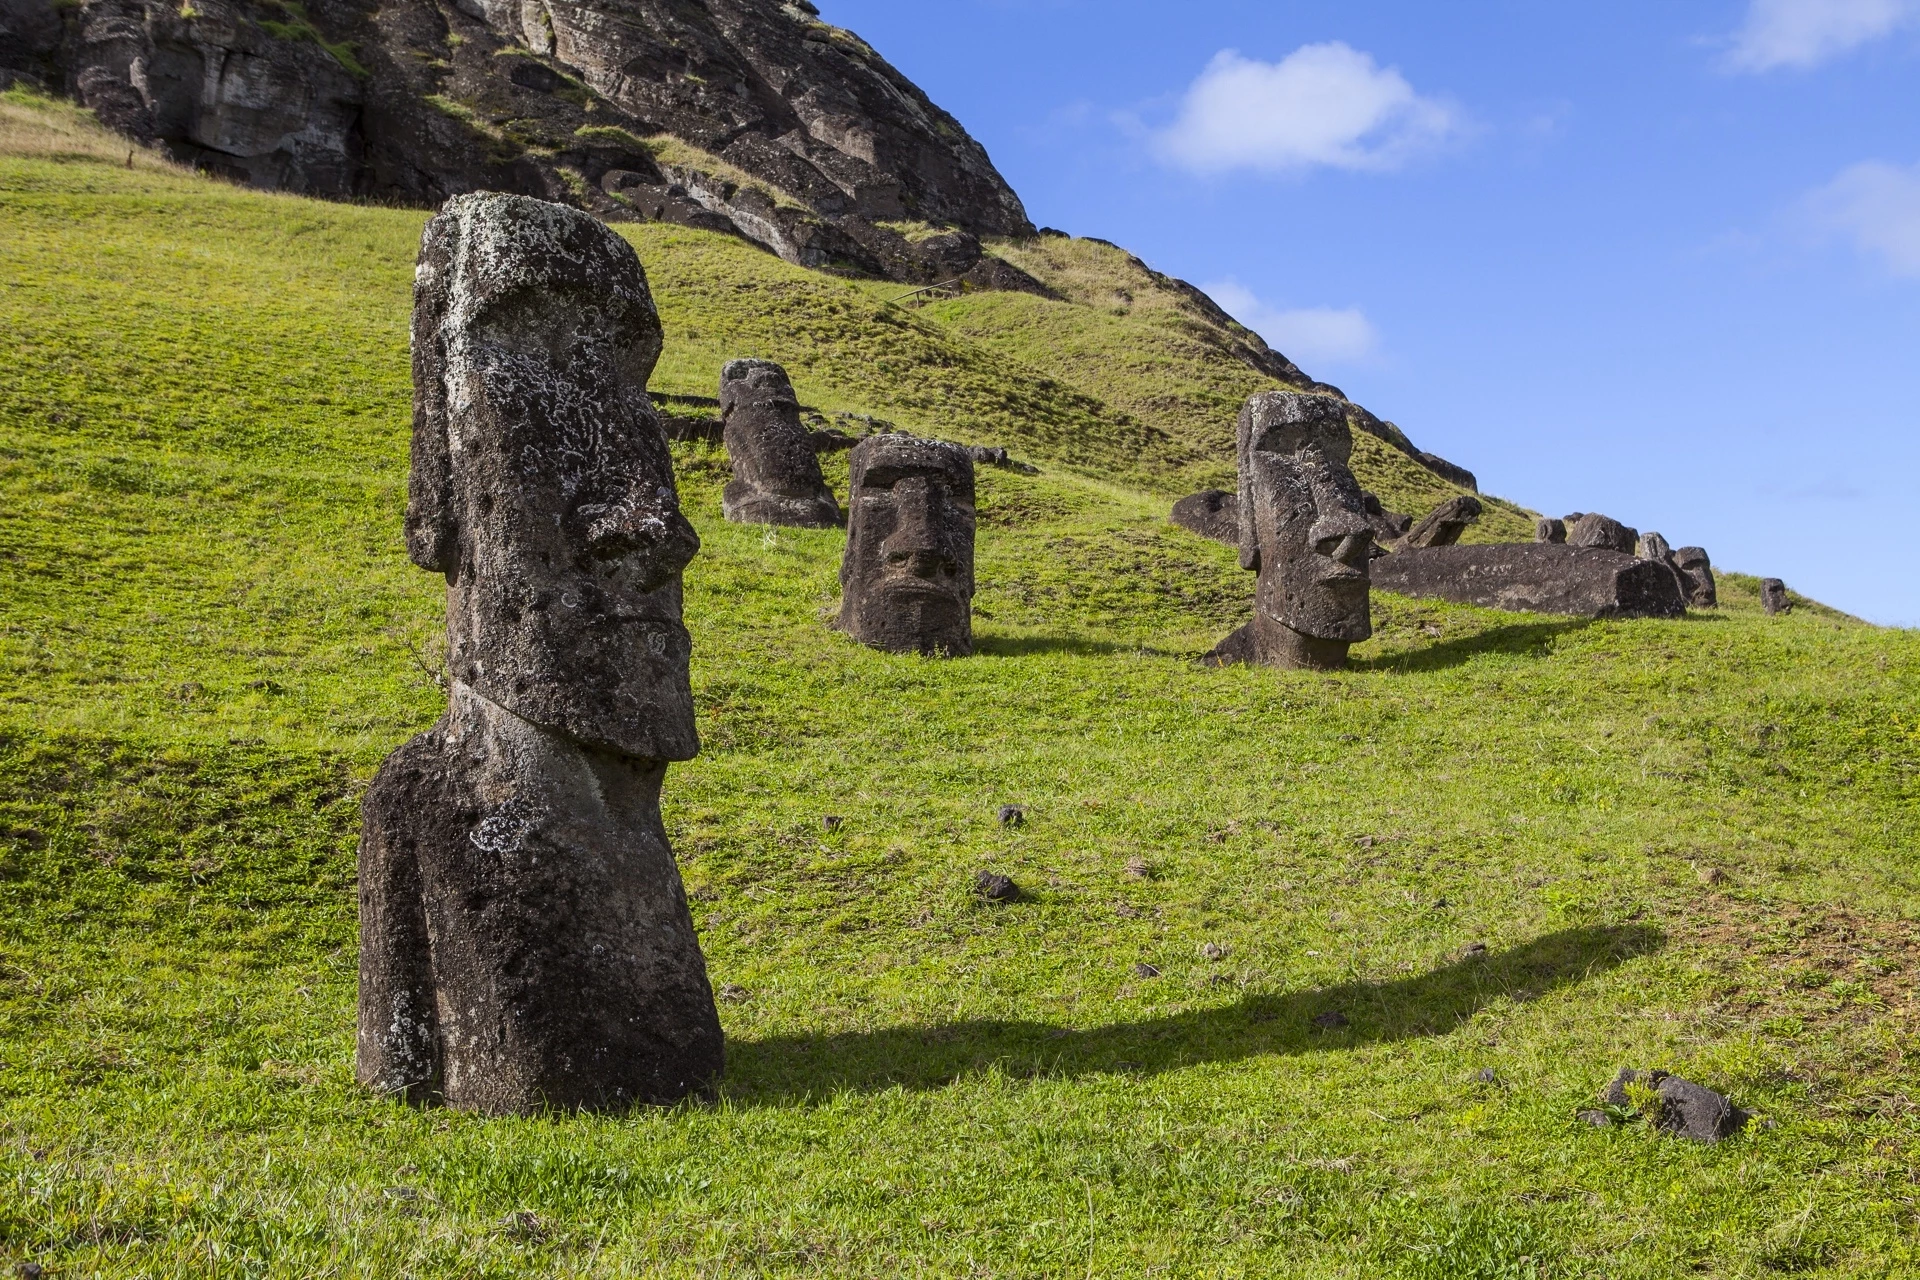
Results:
<point x="1304" y="529"/>
<point x="906" y="581"/>
<point x="1696" y="573"/>
<point x="525" y="940"/>
<point x="776" y="473"/>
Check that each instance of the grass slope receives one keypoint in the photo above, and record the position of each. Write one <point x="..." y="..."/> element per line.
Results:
<point x="1687" y="844"/>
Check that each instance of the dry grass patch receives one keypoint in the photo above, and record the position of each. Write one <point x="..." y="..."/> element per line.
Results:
<point x="36" y="127"/>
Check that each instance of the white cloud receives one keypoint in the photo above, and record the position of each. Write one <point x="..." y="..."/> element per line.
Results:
<point x="1323" y="104"/>
<point x="1877" y="206"/>
<point x="1804" y="33"/>
<point x="1308" y="335"/>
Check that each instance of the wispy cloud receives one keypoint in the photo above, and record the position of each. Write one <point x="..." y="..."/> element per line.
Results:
<point x="1306" y="335"/>
<point x="1805" y="33"/>
<point x="1876" y="205"/>
<point x="1323" y="105"/>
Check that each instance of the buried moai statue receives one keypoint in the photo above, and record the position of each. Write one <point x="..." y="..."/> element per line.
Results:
<point x="1773" y="596"/>
<point x="1304" y="529"/>
<point x="776" y="469"/>
<point x="525" y="940"/>
<point x="906" y="580"/>
<point x="1547" y="529"/>
<point x="1696" y="577"/>
<point x="1443" y="525"/>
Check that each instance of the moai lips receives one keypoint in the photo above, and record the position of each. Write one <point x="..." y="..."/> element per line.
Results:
<point x="1304" y="529"/>
<point x="776" y="469"/>
<point x="906" y="580"/>
<point x="526" y="942"/>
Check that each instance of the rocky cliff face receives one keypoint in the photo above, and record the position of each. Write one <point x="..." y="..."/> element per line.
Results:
<point x="750" y="116"/>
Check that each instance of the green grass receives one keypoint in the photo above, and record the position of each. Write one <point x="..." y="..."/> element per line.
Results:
<point x="1687" y="844"/>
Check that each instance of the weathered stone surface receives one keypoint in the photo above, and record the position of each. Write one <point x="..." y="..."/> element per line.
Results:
<point x="525" y="938"/>
<point x="1655" y="547"/>
<point x="1211" y="513"/>
<point x="1696" y="572"/>
<point x="1304" y="530"/>
<point x="1681" y="1107"/>
<point x="1537" y="577"/>
<point x="1546" y="529"/>
<point x="995" y="888"/>
<point x="906" y="579"/>
<point x="776" y="470"/>
<point x="1773" y="596"/>
<point x="1388" y="526"/>
<point x="1443" y="525"/>
<point x="1603" y="532"/>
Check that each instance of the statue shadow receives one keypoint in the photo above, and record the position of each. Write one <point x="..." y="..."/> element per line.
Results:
<point x="1024" y="646"/>
<point x="1524" y="639"/>
<point x="799" y="1068"/>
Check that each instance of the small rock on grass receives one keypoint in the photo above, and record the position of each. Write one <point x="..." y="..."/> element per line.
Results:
<point x="1475" y="951"/>
<point x="832" y="822"/>
<point x="1595" y="1117"/>
<point x="1487" y="1075"/>
<point x="1684" y="1109"/>
<point x="734" y="993"/>
<point x="1331" y="1020"/>
<point x="1137" y="869"/>
<point x="31" y="1271"/>
<point x="1013" y="815"/>
<point x="1145" y="970"/>
<point x="1213" y="951"/>
<point x="995" y="888"/>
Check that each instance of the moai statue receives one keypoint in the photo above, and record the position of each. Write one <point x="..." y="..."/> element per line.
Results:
<point x="1547" y="529"/>
<point x="776" y="471"/>
<point x="1655" y="547"/>
<point x="906" y="580"/>
<point x="525" y="940"/>
<point x="1304" y="529"/>
<point x="1773" y="596"/>
<point x="1696" y="576"/>
<point x="1602" y="531"/>
<point x="1444" y="524"/>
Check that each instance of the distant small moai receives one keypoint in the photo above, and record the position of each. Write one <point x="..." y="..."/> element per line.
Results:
<point x="906" y="580"/>
<point x="776" y="472"/>
<point x="1304" y="530"/>
<point x="525" y="939"/>
<point x="1773" y="596"/>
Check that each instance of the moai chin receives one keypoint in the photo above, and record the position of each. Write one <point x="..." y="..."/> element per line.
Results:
<point x="776" y="473"/>
<point x="906" y="580"/>
<point x="1304" y="529"/>
<point x="525" y="937"/>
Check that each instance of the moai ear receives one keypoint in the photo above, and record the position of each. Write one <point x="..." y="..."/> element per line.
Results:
<point x="432" y="532"/>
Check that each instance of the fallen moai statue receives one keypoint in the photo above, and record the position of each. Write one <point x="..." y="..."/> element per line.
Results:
<point x="1443" y="525"/>
<point x="1696" y="573"/>
<point x="1304" y="529"/>
<point x="1773" y="596"/>
<point x="525" y="939"/>
<point x="906" y="579"/>
<point x="1211" y="513"/>
<point x="1388" y="526"/>
<point x="776" y="468"/>
<point x="1535" y="577"/>
<point x="1603" y="532"/>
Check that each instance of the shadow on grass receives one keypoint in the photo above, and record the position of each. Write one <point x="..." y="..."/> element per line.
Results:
<point x="1526" y="639"/>
<point x="1022" y="646"/>
<point x="795" y="1068"/>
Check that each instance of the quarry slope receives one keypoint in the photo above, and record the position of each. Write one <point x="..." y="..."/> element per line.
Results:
<point x="1686" y="844"/>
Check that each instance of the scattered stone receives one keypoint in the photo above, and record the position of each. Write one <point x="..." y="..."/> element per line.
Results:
<point x="1365" y="842"/>
<point x="1138" y="869"/>
<point x="1475" y="951"/>
<point x="1213" y="951"/>
<point x="832" y="822"/>
<point x="1013" y="815"/>
<point x="776" y="472"/>
<point x="1211" y="513"/>
<point x="1304" y="530"/>
<point x="1595" y="1117"/>
<point x="1683" y="1108"/>
<point x="1655" y="547"/>
<point x="1774" y="598"/>
<point x="1487" y="1075"/>
<point x="906" y="579"/>
<point x="525" y="938"/>
<point x="995" y="888"/>
<point x="987" y="455"/>
<point x="1331" y="1020"/>
<point x="1144" y="970"/>
<point x="1546" y="529"/>
<point x="1711" y="876"/>
<point x="1603" y="532"/>
<point x="734" y="993"/>
<point x="1696" y="572"/>
<point x="32" y="1271"/>
<point x="1441" y="904"/>
<point x="827" y="440"/>
<point x="1388" y="526"/>
<point x="1444" y="524"/>
<point x="1536" y="577"/>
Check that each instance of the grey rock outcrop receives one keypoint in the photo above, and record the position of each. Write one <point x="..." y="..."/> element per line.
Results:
<point x="1696" y="574"/>
<point x="526" y="941"/>
<point x="1211" y="513"/>
<point x="1655" y="547"/>
<point x="1443" y="525"/>
<point x="1535" y="577"/>
<point x="906" y="578"/>
<point x="1304" y="530"/>
<point x="1603" y="532"/>
<point x="776" y="469"/>
<point x="1774" y="598"/>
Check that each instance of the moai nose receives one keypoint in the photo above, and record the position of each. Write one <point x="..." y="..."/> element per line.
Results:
<point x="915" y="542"/>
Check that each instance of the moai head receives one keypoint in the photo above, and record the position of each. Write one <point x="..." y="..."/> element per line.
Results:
<point x="1303" y="522"/>
<point x="1773" y="596"/>
<point x="1655" y="547"/>
<point x="906" y="582"/>
<point x="1547" y="529"/>
<point x="542" y="486"/>
<point x="776" y="473"/>
<point x="1696" y="573"/>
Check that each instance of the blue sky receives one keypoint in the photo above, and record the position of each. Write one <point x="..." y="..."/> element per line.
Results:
<point x="1656" y="260"/>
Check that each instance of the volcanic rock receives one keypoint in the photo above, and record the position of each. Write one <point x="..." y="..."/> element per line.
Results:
<point x="1603" y="532"/>
<point x="1549" y="530"/>
<point x="1211" y="513"/>
<point x="776" y="471"/>
<point x="1682" y="1108"/>
<point x="1443" y="525"/>
<point x="1536" y="577"/>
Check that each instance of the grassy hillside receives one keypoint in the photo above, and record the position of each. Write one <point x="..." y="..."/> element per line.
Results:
<point x="1686" y="844"/>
